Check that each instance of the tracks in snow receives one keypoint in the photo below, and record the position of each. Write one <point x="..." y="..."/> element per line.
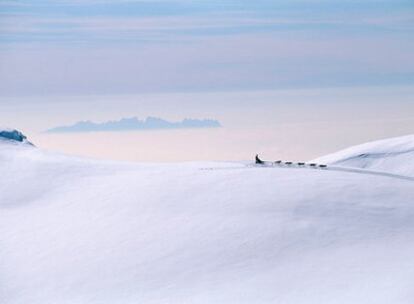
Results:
<point x="370" y="172"/>
<point x="269" y="165"/>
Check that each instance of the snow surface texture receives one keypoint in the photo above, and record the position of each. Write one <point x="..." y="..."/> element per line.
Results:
<point x="82" y="231"/>
<point x="395" y="155"/>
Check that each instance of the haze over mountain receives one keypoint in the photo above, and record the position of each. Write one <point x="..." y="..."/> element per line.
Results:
<point x="128" y="124"/>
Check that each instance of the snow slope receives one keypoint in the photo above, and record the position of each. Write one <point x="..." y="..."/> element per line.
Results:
<point x="81" y="231"/>
<point x="395" y="155"/>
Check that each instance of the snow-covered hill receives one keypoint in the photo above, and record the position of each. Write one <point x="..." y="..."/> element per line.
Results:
<point x="395" y="155"/>
<point x="81" y="231"/>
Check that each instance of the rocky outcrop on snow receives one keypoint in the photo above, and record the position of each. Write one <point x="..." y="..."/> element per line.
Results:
<point x="13" y="135"/>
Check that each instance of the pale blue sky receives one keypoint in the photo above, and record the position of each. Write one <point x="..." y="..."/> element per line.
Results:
<point x="127" y="46"/>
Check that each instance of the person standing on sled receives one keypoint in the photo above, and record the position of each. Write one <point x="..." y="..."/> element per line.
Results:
<point x="258" y="160"/>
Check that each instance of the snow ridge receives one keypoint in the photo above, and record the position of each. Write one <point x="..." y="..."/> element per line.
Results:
<point x="395" y="155"/>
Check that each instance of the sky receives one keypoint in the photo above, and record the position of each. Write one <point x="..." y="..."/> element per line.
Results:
<point x="256" y="66"/>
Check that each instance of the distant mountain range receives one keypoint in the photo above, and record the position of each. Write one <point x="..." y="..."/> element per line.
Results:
<point x="130" y="124"/>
